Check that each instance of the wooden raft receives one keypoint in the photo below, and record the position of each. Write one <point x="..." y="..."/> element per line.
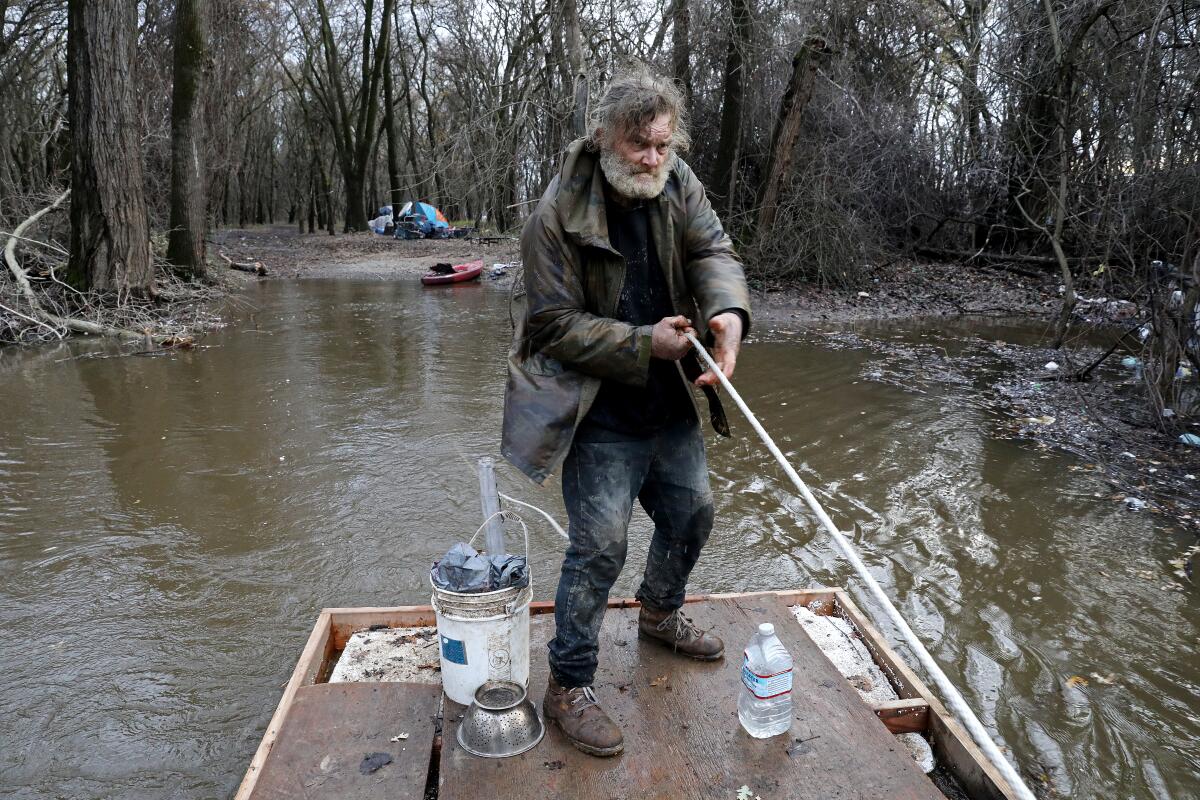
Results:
<point x="333" y="728"/>
<point x="682" y="736"/>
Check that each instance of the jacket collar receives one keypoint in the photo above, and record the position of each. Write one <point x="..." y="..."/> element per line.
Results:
<point x="580" y="197"/>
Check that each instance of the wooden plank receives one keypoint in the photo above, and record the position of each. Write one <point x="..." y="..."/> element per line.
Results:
<point x="312" y="661"/>
<point x="956" y="751"/>
<point x="952" y="745"/>
<point x="903" y="716"/>
<point x="681" y="730"/>
<point x="331" y="730"/>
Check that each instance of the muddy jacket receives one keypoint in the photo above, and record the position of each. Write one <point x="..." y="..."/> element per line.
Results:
<point x="565" y="338"/>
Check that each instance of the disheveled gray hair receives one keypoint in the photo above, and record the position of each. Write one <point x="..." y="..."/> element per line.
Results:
<point x="632" y="100"/>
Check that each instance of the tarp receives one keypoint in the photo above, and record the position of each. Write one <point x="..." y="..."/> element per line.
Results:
<point x="463" y="569"/>
<point x="380" y="224"/>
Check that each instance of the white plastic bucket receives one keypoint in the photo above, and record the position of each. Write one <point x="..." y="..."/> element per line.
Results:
<point x="482" y="636"/>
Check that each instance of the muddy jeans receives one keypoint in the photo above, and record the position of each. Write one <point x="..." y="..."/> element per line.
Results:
<point x="602" y="475"/>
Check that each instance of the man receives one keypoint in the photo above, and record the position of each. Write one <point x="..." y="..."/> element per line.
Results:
<point x="622" y="257"/>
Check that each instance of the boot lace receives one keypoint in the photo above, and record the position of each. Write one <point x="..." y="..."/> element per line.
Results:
<point x="685" y="629"/>
<point x="583" y="697"/>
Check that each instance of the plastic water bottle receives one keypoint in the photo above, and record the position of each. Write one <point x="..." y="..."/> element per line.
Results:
<point x="765" y="702"/>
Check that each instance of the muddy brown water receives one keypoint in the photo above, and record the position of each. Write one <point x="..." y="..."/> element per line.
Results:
<point x="170" y="527"/>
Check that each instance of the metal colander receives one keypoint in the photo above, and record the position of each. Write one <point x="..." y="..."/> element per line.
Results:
<point x="501" y="722"/>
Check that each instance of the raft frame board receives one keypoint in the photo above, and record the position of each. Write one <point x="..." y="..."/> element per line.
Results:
<point x="917" y="710"/>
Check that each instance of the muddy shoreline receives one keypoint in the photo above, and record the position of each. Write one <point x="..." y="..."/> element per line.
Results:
<point x="363" y="256"/>
<point x="1102" y="421"/>
<point x="895" y="291"/>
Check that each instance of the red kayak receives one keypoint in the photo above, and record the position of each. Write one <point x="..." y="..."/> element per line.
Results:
<point x="462" y="272"/>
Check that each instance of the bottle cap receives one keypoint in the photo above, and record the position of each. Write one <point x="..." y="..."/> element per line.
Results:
<point x="766" y="629"/>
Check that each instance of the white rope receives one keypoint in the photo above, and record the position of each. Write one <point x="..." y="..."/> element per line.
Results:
<point x="954" y="700"/>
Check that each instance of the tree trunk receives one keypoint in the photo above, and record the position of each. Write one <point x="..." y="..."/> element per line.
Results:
<point x="373" y="204"/>
<point x="579" y="110"/>
<point x="725" y="172"/>
<point x="185" y="243"/>
<point x="431" y="121"/>
<point x="110" y="233"/>
<point x="974" y="109"/>
<point x="271" y="184"/>
<point x="355" y="218"/>
<point x="787" y="128"/>
<point x="415" y="181"/>
<point x="395" y="193"/>
<point x="681" y="49"/>
<point x="327" y="189"/>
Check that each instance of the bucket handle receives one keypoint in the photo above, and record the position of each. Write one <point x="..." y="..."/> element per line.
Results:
<point x="509" y="607"/>
<point x="508" y="515"/>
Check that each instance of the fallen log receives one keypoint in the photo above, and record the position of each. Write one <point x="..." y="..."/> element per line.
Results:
<point x="257" y="268"/>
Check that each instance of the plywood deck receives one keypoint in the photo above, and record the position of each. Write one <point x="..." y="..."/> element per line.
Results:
<point x="332" y="727"/>
<point x="682" y="736"/>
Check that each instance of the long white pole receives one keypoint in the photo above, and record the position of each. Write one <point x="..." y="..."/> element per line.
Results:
<point x="954" y="700"/>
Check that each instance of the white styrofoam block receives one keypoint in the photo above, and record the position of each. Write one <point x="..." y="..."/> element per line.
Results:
<point x="842" y="645"/>
<point x="392" y="654"/>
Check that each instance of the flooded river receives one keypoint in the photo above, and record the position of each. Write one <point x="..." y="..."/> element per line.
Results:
<point x="170" y="527"/>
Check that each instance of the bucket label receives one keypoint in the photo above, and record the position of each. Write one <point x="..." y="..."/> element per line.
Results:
<point x="454" y="651"/>
<point x="499" y="657"/>
<point x="766" y="686"/>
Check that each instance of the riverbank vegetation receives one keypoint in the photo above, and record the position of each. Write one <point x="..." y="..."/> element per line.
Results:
<point x="1054" y="138"/>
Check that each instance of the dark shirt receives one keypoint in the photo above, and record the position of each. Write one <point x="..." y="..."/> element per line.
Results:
<point x="645" y="299"/>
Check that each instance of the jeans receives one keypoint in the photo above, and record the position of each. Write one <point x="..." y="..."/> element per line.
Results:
<point x="603" y="473"/>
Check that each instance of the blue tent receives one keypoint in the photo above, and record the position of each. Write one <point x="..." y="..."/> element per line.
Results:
<point x="419" y="219"/>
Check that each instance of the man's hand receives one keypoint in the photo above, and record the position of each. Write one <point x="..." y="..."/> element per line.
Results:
<point x="727" y="340"/>
<point x="667" y="341"/>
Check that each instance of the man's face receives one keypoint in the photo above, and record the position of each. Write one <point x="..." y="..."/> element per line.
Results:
<point x="637" y="163"/>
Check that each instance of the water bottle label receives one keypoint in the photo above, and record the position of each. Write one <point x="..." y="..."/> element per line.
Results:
<point x="766" y="686"/>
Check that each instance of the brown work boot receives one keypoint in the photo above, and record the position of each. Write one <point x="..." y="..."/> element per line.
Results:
<point x="678" y="632"/>
<point x="582" y="720"/>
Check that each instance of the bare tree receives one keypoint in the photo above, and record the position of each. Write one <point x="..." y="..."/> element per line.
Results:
<point x="725" y="172"/>
<point x="578" y="70"/>
<point x="110" y="235"/>
<point x="681" y="48"/>
<point x="185" y="247"/>
<point x="352" y="114"/>
<point x="395" y="191"/>
<point x="787" y="129"/>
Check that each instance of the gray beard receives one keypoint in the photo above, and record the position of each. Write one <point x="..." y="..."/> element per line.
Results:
<point x="623" y="177"/>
